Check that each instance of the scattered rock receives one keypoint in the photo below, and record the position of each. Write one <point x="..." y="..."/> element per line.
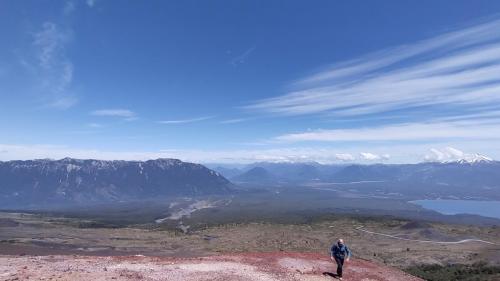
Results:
<point x="238" y="267"/>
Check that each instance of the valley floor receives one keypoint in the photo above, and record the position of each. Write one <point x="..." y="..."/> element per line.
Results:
<point x="394" y="242"/>
<point x="42" y="247"/>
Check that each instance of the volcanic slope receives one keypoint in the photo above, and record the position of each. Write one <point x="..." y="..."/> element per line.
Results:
<point x="241" y="267"/>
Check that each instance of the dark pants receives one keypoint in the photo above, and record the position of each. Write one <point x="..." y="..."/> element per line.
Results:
<point x="340" y="264"/>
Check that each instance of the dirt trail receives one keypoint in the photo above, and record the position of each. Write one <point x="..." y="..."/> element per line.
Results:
<point x="244" y="267"/>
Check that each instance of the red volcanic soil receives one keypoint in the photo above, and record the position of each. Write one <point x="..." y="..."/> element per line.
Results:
<point x="239" y="267"/>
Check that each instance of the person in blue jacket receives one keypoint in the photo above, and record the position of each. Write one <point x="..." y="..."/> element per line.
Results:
<point x="340" y="253"/>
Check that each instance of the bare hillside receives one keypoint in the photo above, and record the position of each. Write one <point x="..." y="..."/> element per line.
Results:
<point x="265" y="267"/>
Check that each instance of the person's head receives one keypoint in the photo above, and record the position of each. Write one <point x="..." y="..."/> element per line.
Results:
<point x="340" y="241"/>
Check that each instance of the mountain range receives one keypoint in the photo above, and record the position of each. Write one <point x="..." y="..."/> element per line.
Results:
<point x="462" y="179"/>
<point x="42" y="182"/>
<point x="48" y="182"/>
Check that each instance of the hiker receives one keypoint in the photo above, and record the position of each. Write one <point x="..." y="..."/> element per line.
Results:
<point x="340" y="253"/>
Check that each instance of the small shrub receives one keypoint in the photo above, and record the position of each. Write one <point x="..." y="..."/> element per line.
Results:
<point x="476" y="271"/>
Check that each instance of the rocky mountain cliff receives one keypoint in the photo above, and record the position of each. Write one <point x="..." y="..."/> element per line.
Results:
<point x="39" y="182"/>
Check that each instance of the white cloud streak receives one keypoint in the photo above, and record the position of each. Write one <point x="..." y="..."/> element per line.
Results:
<point x="242" y="58"/>
<point x="53" y="69"/>
<point x="122" y="113"/>
<point x="402" y="132"/>
<point x="450" y="154"/>
<point x="457" y="69"/>
<point x="368" y="156"/>
<point x="184" y="121"/>
<point x="233" y="121"/>
<point x="345" y="157"/>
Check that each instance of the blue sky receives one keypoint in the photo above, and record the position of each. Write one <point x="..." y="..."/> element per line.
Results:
<point x="244" y="81"/>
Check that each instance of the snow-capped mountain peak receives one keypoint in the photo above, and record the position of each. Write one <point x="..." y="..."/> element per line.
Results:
<point x="453" y="155"/>
<point x="474" y="158"/>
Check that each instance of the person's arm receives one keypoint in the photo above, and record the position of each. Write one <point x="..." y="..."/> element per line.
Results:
<point x="348" y="253"/>
<point x="331" y="252"/>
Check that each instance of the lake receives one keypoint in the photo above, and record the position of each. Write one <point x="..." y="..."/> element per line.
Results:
<point x="453" y="207"/>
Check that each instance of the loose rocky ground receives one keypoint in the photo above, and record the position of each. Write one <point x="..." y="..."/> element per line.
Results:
<point x="256" y="266"/>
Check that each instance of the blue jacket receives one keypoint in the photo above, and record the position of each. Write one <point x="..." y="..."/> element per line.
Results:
<point x="340" y="251"/>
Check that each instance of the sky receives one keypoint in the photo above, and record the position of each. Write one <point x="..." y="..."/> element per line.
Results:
<point x="248" y="81"/>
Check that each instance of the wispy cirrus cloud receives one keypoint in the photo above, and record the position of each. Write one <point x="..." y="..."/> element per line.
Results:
<point x="448" y="154"/>
<point x="462" y="130"/>
<point x="233" y="121"/>
<point x="91" y="3"/>
<point x="242" y="58"/>
<point x="47" y="61"/>
<point x="69" y="8"/>
<point x="126" y="114"/>
<point x="458" y="69"/>
<point x="52" y="67"/>
<point x="184" y="121"/>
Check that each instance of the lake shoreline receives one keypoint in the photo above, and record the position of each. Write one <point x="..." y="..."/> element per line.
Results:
<point x="490" y="209"/>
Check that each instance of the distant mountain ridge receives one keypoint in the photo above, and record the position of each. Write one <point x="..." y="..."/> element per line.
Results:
<point x="289" y="171"/>
<point x="478" y="177"/>
<point x="80" y="181"/>
<point x="255" y="174"/>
